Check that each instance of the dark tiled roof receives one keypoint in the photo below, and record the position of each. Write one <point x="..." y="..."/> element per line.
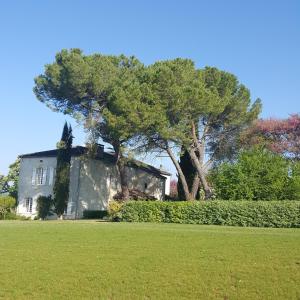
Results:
<point x="76" y="151"/>
<point x="79" y="150"/>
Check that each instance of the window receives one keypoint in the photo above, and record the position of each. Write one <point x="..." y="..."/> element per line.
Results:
<point x="39" y="176"/>
<point x="28" y="204"/>
<point x="145" y="186"/>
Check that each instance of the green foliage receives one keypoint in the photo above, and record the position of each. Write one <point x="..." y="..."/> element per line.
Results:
<point x="94" y="214"/>
<point x="257" y="174"/>
<point x="160" y="106"/>
<point x="44" y="206"/>
<point x="9" y="183"/>
<point x="13" y="216"/>
<point x="7" y="203"/>
<point x="103" y="92"/>
<point x="62" y="179"/>
<point x="114" y="210"/>
<point x="13" y="178"/>
<point x="200" y="111"/>
<point x="3" y="185"/>
<point x="230" y="213"/>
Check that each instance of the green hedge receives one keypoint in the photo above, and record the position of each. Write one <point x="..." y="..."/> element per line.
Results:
<point x="94" y="214"/>
<point x="230" y="213"/>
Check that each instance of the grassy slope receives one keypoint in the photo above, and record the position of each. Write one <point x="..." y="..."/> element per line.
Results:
<point x="54" y="260"/>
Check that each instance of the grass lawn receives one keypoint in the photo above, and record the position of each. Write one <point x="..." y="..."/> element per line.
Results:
<point x="93" y="260"/>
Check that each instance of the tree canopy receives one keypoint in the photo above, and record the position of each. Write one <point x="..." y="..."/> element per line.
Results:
<point x="198" y="111"/>
<point x="280" y="136"/>
<point x="168" y="106"/>
<point x="101" y="91"/>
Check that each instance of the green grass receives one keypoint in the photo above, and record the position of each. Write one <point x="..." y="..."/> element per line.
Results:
<point x="93" y="260"/>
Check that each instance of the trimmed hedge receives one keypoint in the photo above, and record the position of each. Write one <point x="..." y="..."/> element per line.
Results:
<point x="94" y="214"/>
<point x="216" y="212"/>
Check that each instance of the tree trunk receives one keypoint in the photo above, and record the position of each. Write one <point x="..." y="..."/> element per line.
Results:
<point x="185" y="187"/>
<point x="121" y="166"/>
<point x="195" y="187"/>
<point x="201" y="173"/>
<point x="123" y="177"/>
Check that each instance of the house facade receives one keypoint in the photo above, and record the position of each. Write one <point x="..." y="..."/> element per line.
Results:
<point x="94" y="181"/>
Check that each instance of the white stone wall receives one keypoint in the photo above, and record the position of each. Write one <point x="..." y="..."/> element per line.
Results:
<point x="167" y="184"/>
<point x="92" y="184"/>
<point x="146" y="182"/>
<point x="26" y="188"/>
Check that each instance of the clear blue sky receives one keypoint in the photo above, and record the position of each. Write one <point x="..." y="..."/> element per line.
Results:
<point x="258" y="41"/>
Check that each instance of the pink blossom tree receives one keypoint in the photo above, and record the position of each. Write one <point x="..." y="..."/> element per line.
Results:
<point x="281" y="136"/>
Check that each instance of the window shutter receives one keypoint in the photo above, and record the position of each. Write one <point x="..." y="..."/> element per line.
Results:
<point x="44" y="176"/>
<point x="33" y="176"/>
<point x="51" y="175"/>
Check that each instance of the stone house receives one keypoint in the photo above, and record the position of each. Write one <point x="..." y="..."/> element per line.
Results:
<point x="93" y="181"/>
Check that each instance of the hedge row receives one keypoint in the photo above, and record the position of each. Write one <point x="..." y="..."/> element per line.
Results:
<point x="94" y="214"/>
<point x="230" y="213"/>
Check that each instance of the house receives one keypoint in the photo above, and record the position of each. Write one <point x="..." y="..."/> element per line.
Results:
<point x="93" y="180"/>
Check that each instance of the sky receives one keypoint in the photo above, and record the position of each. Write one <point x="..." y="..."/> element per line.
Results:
<point x="258" y="41"/>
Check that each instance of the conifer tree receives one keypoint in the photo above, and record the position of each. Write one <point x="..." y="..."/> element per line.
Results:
<point x="61" y="185"/>
<point x="190" y="174"/>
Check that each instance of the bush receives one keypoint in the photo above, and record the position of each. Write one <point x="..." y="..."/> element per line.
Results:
<point x="7" y="203"/>
<point x="44" y="206"/>
<point x="94" y="214"/>
<point x="230" y="213"/>
<point x="114" y="210"/>
<point x="13" y="216"/>
<point x="257" y="174"/>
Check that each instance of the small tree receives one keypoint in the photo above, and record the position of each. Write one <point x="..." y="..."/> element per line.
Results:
<point x="44" y="206"/>
<point x="7" y="203"/>
<point x="281" y="136"/>
<point x="173" y="189"/>
<point x="3" y="185"/>
<point x="258" y="174"/>
<point x="9" y="183"/>
<point x="62" y="180"/>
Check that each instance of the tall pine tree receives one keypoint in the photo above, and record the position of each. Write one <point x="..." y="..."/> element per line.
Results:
<point x="61" y="185"/>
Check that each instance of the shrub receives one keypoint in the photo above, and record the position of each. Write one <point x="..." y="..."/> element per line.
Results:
<point x="94" y="214"/>
<point x="13" y="216"/>
<point x="114" y="210"/>
<point x="44" y="206"/>
<point x="7" y="203"/>
<point x="230" y="213"/>
<point x="257" y="174"/>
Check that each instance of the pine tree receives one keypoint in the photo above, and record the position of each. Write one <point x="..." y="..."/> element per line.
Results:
<point x="61" y="185"/>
